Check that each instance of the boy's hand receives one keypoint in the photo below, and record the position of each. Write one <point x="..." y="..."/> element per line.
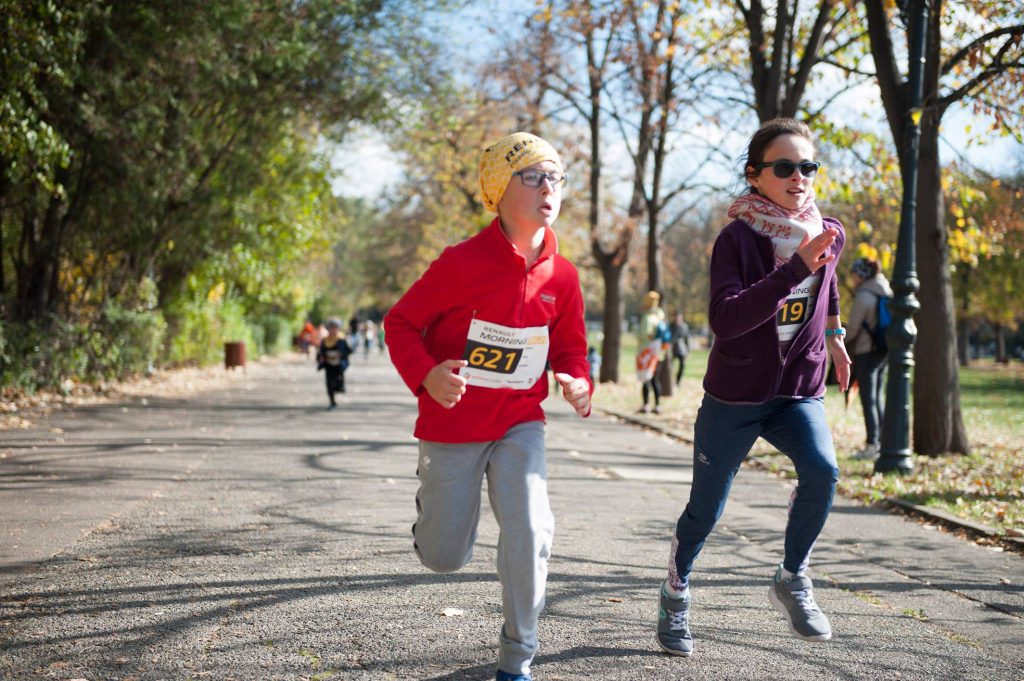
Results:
<point x="576" y="391"/>
<point x="446" y="387"/>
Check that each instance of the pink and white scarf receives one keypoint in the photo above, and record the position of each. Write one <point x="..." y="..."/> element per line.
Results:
<point x="786" y="228"/>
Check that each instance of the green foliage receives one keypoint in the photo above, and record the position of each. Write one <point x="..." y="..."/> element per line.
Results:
<point x="986" y="244"/>
<point x="48" y="355"/>
<point x="175" y="144"/>
<point x="385" y="247"/>
<point x="40" y="41"/>
<point x="205" y="317"/>
<point x="277" y="333"/>
<point x="139" y="336"/>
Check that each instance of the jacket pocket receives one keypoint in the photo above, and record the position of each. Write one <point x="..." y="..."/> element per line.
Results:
<point x="815" y="356"/>
<point x="735" y="361"/>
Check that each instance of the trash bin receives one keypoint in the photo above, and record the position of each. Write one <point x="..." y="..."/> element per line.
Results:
<point x="234" y="355"/>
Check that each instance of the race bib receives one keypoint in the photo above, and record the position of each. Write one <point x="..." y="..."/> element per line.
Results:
<point x="503" y="356"/>
<point x="798" y="308"/>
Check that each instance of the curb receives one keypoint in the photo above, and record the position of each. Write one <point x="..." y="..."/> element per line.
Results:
<point x="937" y="515"/>
<point x="648" y="423"/>
<point x="947" y="518"/>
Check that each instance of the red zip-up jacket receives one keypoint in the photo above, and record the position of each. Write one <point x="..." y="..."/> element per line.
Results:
<point x="485" y="277"/>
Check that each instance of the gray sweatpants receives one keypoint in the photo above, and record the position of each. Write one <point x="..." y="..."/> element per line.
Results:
<point x="448" y="506"/>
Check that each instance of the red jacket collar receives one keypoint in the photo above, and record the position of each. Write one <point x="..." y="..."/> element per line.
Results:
<point x="549" y="249"/>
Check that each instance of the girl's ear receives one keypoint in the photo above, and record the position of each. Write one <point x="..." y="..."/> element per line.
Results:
<point x="751" y="175"/>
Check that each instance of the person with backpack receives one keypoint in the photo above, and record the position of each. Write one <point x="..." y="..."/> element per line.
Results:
<point x="867" y="325"/>
<point x="680" y="339"/>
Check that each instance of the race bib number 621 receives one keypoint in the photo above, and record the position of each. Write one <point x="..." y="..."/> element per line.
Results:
<point x="503" y="356"/>
<point x="502" y="360"/>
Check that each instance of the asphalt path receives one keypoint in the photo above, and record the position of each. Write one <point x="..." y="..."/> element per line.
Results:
<point x="247" y="533"/>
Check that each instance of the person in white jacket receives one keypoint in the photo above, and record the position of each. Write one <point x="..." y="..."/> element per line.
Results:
<point x="869" y="362"/>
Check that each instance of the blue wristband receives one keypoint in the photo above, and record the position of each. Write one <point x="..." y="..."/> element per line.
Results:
<point x="835" y="332"/>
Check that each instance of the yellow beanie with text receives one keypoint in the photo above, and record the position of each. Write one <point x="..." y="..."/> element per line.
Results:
<point x="510" y="155"/>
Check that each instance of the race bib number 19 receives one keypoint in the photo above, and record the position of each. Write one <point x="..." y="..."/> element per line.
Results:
<point x="798" y="308"/>
<point x="503" y="356"/>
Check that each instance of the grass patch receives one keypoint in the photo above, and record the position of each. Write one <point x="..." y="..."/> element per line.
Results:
<point x="987" y="486"/>
<point x="868" y="597"/>
<point x="311" y="657"/>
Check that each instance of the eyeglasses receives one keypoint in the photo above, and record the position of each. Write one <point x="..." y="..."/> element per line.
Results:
<point x="784" y="169"/>
<point x="534" y="178"/>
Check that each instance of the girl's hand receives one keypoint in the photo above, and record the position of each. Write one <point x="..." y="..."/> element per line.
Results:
<point x="445" y="386"/>
<point x="812" y="251"/>
<point x="841" y="360"/>
<point x="576" y="391"/>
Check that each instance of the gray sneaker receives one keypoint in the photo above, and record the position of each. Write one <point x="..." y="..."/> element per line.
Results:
<point x="674" y="624"/>
<point x="794" y="598"/>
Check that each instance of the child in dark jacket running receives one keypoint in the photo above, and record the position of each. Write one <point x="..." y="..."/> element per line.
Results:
<point x="332" y="357"/>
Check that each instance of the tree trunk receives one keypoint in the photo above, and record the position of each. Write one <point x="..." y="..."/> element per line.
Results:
<point x="611" y="346"/>
<point x="938" y="420"/>
<point x="37" y="295"/>
<point x="653" y="254"/>
<point x="1001" y="356"/>
<point x="3" y="272"/>
<point x="964" y="346"/>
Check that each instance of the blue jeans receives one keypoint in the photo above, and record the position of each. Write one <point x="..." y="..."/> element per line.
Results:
<point x="869" y="372"/>
<point x="723" y="436"/>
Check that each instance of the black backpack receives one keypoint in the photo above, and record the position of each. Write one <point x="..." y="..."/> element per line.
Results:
<point x="884" y="316"/>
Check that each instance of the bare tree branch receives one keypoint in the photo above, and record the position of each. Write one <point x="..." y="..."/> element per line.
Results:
<point x="977" y="43"/>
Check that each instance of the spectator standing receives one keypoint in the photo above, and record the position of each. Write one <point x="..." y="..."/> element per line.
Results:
<point x="869" y="360"/>
<point x="649" y="350"/>
<point x="369" y="334"/>
<point x="680" y="344"/>
<point x="308" y="337"/>
<point x="354" y="333"/>
<point x="594" y="359"/>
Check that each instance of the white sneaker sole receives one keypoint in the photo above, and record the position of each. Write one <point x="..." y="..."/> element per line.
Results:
<point x="777" y="604"/>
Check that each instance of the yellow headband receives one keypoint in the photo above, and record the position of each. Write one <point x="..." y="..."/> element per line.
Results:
<point x="510" y="155"/>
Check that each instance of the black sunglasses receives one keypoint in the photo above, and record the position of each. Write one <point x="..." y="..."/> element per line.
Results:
<point x="784" y="169"/>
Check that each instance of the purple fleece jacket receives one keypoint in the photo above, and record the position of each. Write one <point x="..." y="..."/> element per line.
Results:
<point x="747" y="291"/>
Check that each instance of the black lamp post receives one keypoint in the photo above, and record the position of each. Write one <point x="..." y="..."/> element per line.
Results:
<point x="896" y="454"/>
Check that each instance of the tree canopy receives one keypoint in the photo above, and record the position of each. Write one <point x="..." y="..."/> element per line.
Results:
<point x="158" y="154"/>
<point x="165" y="169"/>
